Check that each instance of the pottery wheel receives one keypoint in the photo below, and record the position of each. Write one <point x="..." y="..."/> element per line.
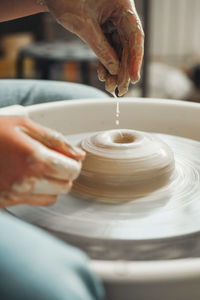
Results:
<point x="162" y="225"/>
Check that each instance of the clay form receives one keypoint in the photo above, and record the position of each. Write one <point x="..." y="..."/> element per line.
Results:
<point x="123" y="164"/>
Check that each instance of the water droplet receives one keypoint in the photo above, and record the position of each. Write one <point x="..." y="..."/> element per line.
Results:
<point x="117" y="110"/>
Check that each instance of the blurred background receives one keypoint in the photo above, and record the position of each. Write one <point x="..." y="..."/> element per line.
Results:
<point x="38" y="47"/>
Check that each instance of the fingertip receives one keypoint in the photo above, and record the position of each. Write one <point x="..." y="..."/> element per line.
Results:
<point x="111" y="83"/>
<point x="122" y="91"/>
<point x="79" y="153"/>
<point x="101" y="72"/>
<point x="135" y="78"/>
<point x="123" y="85"/>
<point x="135" y="67"/>
<point x="72" y="152"/>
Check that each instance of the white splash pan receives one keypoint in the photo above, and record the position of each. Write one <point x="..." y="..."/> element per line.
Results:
<point x="141" y="280"/>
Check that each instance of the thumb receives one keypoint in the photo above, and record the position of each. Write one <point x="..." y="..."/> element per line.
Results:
<point x="95" y="38"/>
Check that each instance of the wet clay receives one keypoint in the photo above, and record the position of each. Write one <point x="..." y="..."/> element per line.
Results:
<point x="122" y="165"/>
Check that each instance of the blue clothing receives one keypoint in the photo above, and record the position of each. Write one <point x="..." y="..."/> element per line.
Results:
<point x="33" y="264"/>
<point x="36" y="266"/>
<point x="28" y="92"/>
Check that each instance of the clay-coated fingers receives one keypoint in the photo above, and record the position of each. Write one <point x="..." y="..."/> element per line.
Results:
<point x="111" y="83"/>
<point x="95" y="38"/>
<point x="9" y="199"/>
<point x="43" y="186"/>
<point x="52" y="139"/>
<point x="101" y="72"/>
<point x="49" y="163"/>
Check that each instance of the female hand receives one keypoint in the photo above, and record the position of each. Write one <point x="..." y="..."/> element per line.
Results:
<point x="113" y="30"/>
<point x="36" y="163"/>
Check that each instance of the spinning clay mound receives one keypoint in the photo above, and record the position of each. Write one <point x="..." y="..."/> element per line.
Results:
<point x="121" y="165"/>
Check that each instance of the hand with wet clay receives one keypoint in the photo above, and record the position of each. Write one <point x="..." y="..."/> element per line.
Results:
<point x="36" y="163"/>
<point x="113" y="30"/>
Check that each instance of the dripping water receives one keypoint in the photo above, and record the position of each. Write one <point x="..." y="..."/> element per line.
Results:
<point x="117" y="110"/>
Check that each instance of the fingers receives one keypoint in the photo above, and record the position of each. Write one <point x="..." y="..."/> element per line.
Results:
<point x="123" y="76"/>
<point x="8" y="199"/>
<point x="95" y="38"/>
<point x="43" y="186"/>
<point x="136" y="50"/>
<point x="52" y="140"/>
<point x="49" y="163"/>
<point x="132" y="31"/>
<point x="52" y="186"/>
<point x="111" y="80"/>
<point x="101" y="72"/>
<point x="57" y="165"/>
<point x="111" y="83"/>
<point x="128" y="40"/>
